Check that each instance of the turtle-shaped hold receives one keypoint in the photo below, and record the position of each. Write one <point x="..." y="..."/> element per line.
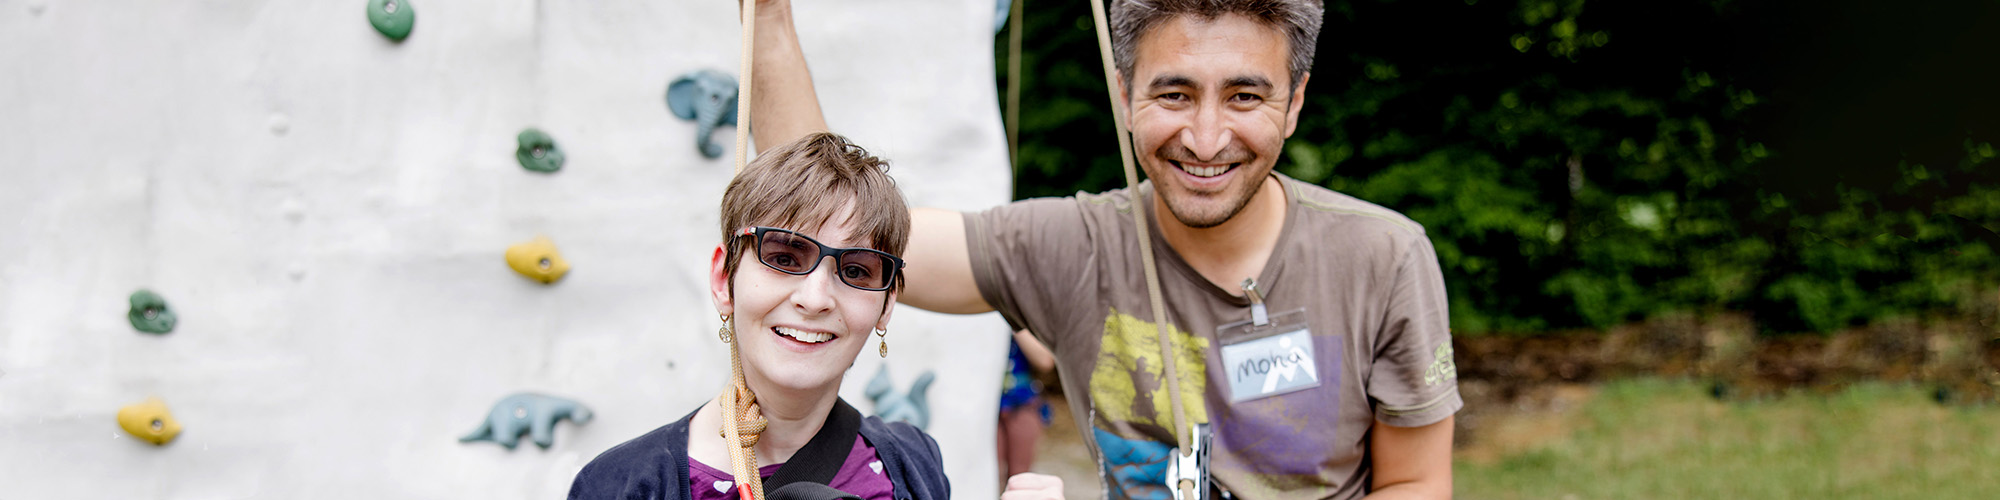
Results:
<point x="538" y="260"/>
<point x="393" y="18"/>
<point x="149" y="313"/>
<point x="709" y="98"/>
<point x="537" y="151"/>
<point x="531" y="413"/>
<point x="149" y="420"/>
<point x="912" y="406"/>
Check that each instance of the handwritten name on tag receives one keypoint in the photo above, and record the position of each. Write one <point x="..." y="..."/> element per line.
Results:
<point x="1270" y="366"/>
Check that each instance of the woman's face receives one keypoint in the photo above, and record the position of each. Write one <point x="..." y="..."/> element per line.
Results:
<point x="799" y="332"/>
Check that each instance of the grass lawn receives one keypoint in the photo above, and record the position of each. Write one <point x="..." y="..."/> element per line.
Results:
<point x="1669" y="439"/>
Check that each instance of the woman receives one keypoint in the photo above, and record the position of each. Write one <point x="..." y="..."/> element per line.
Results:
<point x="805" y="271"/>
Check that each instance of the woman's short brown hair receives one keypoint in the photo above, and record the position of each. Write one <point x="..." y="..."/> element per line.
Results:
<point x="801" y="185"/>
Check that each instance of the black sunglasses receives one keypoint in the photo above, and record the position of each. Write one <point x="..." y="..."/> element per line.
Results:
<point x="793" y="253"/>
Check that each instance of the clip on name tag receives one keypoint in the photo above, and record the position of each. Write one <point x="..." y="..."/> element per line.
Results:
<point x="1267" y="355"/>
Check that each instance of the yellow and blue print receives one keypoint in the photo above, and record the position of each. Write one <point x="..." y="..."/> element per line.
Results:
<point x="1128" y="390"/>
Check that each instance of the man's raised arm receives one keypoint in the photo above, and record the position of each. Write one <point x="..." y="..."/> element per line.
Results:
<point x="783" y="108"/>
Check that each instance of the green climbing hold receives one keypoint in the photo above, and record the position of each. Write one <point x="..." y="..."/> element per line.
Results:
<point x="394" y="18"/>
<point x="538" y="151"/>
<point x="149" y="313"/>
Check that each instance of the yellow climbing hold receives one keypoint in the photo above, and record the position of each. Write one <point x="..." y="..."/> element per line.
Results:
<point x="149" y="420"/>
<point x="538" y="260"/>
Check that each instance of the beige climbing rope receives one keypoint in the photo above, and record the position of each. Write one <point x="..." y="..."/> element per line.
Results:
<point x="1013" y="117"/>
<point x="1145" y="235"/>
<point x="743" y="421"/>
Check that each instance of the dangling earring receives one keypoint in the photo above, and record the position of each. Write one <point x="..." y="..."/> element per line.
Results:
<point x="728" y="334"/>
<point x="884" y="334"/>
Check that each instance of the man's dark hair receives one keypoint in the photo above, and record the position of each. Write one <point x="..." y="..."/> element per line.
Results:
<point x="1299" y="20"/>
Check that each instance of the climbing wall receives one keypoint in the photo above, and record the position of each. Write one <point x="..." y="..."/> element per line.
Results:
<point x="324" y="212"/>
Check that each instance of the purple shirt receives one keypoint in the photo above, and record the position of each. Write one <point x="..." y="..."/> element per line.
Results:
<point x="861" y="474"/>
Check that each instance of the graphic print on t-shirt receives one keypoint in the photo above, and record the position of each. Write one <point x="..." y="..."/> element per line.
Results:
<point x="1274" y="443"/>
<point x="1134" y="412"/>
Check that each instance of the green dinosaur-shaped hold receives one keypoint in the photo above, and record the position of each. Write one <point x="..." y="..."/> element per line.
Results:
<point x="149" y="313"/>
<point x="530" y="413"/>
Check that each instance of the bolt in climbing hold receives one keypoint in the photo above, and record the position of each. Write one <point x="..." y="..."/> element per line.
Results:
<point x="534" y="414"/>
<point x="537" y="151"/>
<point x="393" y="18"/>
<point x="149" y="313"/>
<point x="149" y="420"/>
<point x="709" y="98"/>
<point x="537" y="259"/>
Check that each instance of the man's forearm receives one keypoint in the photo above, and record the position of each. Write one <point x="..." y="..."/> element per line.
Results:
<point x="1411" y="462"/>
<point x="783" y="106"/>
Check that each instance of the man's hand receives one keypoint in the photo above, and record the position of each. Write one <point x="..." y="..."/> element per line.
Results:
<point x="1032" y="486"/>
<point x="764" y="4"/>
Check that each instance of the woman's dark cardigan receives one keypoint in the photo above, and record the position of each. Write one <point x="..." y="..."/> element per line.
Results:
<point x="654" y="466"/>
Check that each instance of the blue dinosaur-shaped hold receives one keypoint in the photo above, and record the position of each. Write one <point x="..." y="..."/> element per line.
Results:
<point x="913" y="406"/>
<point x="709" y="98"/>
<point x="534" y="414"/>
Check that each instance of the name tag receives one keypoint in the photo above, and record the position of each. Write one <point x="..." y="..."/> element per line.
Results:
<point x="1270" y="365"/>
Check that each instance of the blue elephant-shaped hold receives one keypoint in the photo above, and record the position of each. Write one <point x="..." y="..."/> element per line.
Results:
<point x="534" y="414"/>
<point x="709" y="98"/>
<point x="912" y="406"/>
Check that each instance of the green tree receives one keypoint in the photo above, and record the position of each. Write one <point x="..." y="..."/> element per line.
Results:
<point x="1816" y="164"/>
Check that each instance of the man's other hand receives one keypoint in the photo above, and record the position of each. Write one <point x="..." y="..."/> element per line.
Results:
<point x="1032" y="486"/>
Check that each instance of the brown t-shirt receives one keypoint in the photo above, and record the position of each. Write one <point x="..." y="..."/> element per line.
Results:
<point x="1373" y="304"/>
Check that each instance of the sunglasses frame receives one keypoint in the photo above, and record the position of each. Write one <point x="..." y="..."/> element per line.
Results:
<point x="757" y="237"/>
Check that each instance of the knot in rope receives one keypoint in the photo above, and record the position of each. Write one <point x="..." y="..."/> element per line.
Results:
<point x="749" y="417"/>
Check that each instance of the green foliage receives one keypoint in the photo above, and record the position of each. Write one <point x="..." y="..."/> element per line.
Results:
<point x="1586" y="164"/>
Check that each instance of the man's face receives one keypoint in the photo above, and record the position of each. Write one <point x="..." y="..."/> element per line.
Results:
<point x="1211" y="106"/>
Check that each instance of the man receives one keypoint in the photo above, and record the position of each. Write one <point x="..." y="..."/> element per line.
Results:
<point x="1345" y="388"/>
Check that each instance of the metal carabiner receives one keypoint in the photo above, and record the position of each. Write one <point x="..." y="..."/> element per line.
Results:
<point x="1187" y="473"/>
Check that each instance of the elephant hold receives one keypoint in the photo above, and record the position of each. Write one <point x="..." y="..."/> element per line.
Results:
<point x="534" y="414"/>
<point x="709" y="98"/>
<point x="912" y="406"/>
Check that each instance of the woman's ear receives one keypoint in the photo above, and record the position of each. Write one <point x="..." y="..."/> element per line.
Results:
<point x="718" y="282"/>
<point x="888" y="306"/>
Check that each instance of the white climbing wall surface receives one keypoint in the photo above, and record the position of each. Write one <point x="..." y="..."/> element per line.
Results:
<point x="326" y="210"/>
